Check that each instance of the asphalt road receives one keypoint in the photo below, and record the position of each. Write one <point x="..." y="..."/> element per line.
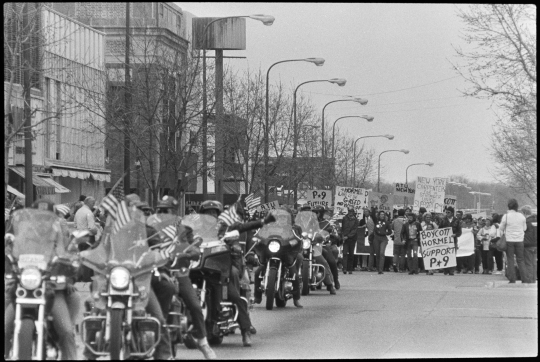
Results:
<point x="396" y="316"/>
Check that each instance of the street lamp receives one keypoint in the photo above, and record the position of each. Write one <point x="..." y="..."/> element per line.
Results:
<point x="318" y="62"/>
<point x="415" y="164"/>
<point x="339" y="81"/>
<point x="379" y="173"/>
<point x="367" y="118"/>
<point x="389" y="136"/>
<point x="266" y="20"/>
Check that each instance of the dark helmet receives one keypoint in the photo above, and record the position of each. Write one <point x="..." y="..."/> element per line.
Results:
<point x="43" y="205"/>
<point x="318" y="208"/>
<point x="305" y="207"/>
<point x="167" y="202"/>
<point x="211" y="205"/>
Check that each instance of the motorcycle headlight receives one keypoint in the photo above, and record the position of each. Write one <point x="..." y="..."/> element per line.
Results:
<point x="120" y="278"/>
<point x="274" y="246"/>
<point x="30" y="278"/>
<point x="307" y="243"/>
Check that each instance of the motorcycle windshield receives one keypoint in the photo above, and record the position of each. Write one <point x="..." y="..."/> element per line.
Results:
<point x="281" y="227"/>
<point x="307" y="220"/>
<point x="204" y="226"/>
<point x="167" y="226"/>
<point x="37" y="233"/>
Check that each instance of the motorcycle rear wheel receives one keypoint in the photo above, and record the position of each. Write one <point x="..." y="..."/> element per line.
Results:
<point x="26" y="336"/>
<point x="271" y="289"/>
<point x="115" y="343"/>
<point x="305" y="278"/>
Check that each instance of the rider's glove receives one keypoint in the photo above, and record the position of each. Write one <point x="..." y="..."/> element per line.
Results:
<point x="269" y="218"/>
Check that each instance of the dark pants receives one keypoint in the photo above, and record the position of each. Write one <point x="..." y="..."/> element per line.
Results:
<point x="498" y="259"/>
<point x="372" y="262"/>
<point x="380" y="243"/>
<point x="529" y="254"/>
<point x="233" y="295"/>
<point x="165" y="290"/>
<point x="450" y="270"/>
<point x="517" y="249"/>
<point x="477" y="259"/>
<point x="399" y="256"/>
<point x="487" y="260"/>
<point x="189" y="296"/>
<point x="61" y="322"/>
<point x="329" y="256"/>
<point x="163" y="349"/>
<point x="412" y="256"/>
<point x="348" y="255"/>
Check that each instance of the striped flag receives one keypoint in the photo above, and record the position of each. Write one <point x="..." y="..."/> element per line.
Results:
<point x="230" y="216"/>
<point x="337" y="216"/>
<point x="253" y="200"/>
<point x="110" y="204"/>
<point x="6" y="214"/>
<point x="122" y="217"/>
<point x="169" y="232"/>
<point x="118" y="191"/>
<point x="63" y="209"/>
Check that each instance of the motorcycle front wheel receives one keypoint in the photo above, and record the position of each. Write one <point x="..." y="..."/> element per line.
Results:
<point x="116" y="333"/>
<point x="305" y="278"/>
<point x="26" y="336"/>
<point x="271" y="289"/>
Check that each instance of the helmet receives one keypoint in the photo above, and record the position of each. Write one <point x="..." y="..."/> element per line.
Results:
<point x="305" y="207"/>
<point x="211" y="205"/>
<point x="43" y="204"/>
<point x="167" y="202"/>
<point x="318" y="208"/>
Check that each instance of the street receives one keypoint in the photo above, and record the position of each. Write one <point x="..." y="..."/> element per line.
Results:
<point x="396" y="316"/>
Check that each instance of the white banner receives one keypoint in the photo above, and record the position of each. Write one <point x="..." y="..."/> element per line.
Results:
<point x="389" y="251"/>
<point x="465" y="243"/>
<point x="354" y="197"/>
<point x="319" y="197"/>
<point x="429" y="194"/>
<point x="438" y="248"/>
<point x="384" y="202"/>
<point x="269" y="206"/>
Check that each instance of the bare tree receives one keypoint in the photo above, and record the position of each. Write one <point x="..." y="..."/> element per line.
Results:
<point x="502" y="67"/>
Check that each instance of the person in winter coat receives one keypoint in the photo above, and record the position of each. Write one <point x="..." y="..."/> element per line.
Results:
<point x="411" y="234"/>
<point x="454" y="223"/>
<point x="399" y="244"/>
<point x="530" y="243"/>
<point x="382" y="230"/>
<point x="349" y="233"/>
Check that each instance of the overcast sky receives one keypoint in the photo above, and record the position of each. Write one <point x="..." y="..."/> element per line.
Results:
<point x="395" y="55"/>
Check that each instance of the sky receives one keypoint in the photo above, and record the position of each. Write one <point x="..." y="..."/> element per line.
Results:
<point x="398" y="56"/>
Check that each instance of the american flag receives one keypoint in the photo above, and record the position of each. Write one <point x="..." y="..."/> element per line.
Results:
<point x="230" y="216"/>
<point x="253" y="200"/>
<point x="118" y="191"/>
<point x="169" y="232"/>
<point x="122" y="217"/>
<point x="63" y="209"/>
<point x="6" y="214"/>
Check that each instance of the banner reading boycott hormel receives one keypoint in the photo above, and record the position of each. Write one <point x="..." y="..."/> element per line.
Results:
<point x="354" y="197"/>
<point x="429" y="194"/>
<point x="319" y="197"/>
<point x="384" y="202"/>
<point x="438" y="249"/>
<point x="269" y="206"/>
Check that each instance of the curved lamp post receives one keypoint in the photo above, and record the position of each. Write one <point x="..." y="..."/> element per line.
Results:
<point x="266" y="20"/>
<point x="379" y="172"/>
<point x="339" y="81"/>
<point x="318" y="62"/>
<point x="415" y="164"/>
<point x="367" y="118"/>
<point x="389" y="136"/>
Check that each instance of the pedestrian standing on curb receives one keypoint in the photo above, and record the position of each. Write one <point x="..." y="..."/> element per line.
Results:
<point x="477" y="246"/>
<point x="468" y="261"/>
<point x="380" y="239"/>
<point x="399" y="244"/>
<point x="349" y="233"/>
<point x="485" y="234"/>
<point x="497" y="254"/>
<point x="370" y="224"/>
<point x="513" y="225"/>
<point x="451" y="221"/>
<point x="411" y="235"/>
<point x="530" y="243"/>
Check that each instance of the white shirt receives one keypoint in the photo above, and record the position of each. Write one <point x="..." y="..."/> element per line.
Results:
<point x="513" y="225"/>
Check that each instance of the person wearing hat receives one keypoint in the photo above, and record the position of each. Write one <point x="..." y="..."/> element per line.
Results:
<point x="167" y="205"/>
<point x="450" y="221"/>
<point x="349" y="232"/>
<point x="399" y="244"/>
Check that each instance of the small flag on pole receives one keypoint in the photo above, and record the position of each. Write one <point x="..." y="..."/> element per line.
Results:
<point x="230" y="216"/>
<point x="169" y="232"/>
<point x="122" y="218"/>
<point x="63" y="209"/>
<point x="253" y="200"/>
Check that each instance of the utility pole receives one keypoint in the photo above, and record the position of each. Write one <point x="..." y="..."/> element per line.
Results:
<point x="127" y="100"/>
<point x="27" y="66"/>
<point x="219" y="129"/>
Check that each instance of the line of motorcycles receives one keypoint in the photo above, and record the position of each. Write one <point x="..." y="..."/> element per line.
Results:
<point x="118" y="326"/>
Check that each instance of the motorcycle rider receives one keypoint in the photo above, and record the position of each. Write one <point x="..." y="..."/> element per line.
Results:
<point x="329" y="252"/>
<point x="294" y="269"/>
<point x="62" y="307"/>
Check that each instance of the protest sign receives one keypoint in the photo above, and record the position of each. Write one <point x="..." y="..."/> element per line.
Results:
<point x="354" y="197"/>
<point x="429" y="194"/>
<point x="319" y="197"/>
<point x="384" y="202"/>
<point x="362" y="243"/>
<point x="389" y="251"/>
<point x="438" y="250"/>
<point x="450" y="200"/>
<point x="268" y="206"/>
<point x="403" y="190"/>
<point x="465" y="242"/>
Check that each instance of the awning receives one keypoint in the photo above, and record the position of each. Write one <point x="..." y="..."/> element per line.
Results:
<point x="79" y="172"/>
<point x="57" y="187"/>
<point x="15" y="192"/>
<point x="42" y="186"/>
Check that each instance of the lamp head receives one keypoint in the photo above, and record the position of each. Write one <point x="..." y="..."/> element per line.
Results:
<point x="389" y="136"/>
<point x="404" y="151"/>
<point x="265" y="19"/>
<point x="430" y="164"/>
<point x="362" y="101"/>
<point x="368" y="118"/>
<point x="317" y="61"/>
<point x="339" y="81"/>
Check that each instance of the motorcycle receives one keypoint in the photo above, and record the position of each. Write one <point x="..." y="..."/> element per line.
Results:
<point x="210" y="275"/>
<point x="312" y="273"/>
<point x="38" y="268"/>
<point x="118" y="326"/>
<point x="277" y="244"/>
